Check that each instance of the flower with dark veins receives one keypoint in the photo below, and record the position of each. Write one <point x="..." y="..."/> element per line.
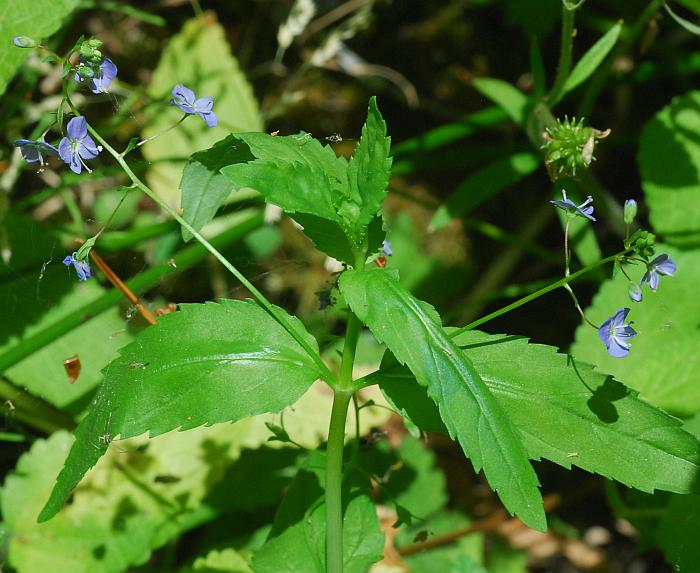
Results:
<point x="34" y="151"/>
<point x="585" y="209"/>
<point x="185" y="99"/>
<point x="101" y="76"/>
<point x="77" y="146"/>
<point x="661" y="265"/>
<point x="82" y="268"/>
<point x="614" y="333"/>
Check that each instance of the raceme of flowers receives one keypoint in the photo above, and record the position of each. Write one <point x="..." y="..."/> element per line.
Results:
<point x="615" y="332"/>
<point x="77" y="147"/>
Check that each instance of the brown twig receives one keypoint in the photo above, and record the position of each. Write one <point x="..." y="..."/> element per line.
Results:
<point x="119" y="284"/>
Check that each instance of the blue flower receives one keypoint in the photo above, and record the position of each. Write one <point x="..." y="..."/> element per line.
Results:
<point x="386" y="248"/>
<point x="584" y="209"/>
<point x="23" y="42"/>
<point x="661" y="265"/>
<point x="184" y="98"/>
<point x="100" y="78"/>
<point x="614" y="334"/>
<point x="82" y="268"/>
<point x="78" y="145"/>
<point x="34" y="151"/>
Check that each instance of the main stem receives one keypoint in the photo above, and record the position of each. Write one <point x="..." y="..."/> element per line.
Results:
<point x="342" y="394"/>
<point x="334" y="481"/>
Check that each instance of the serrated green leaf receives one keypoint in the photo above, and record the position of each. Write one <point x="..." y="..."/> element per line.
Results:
<point x="203" y="187"/>
<point x="369" y="169"/>
<point x="297" y="540"/>
<point x="568" y="413"/>
<point x="295" y="187"/>
<point x="205" y="364"/>
<point x="483" y="185"/>
<point x="590" y="61"/>
<point x="199" y="57"/>
<point x="37" y="20"/>
<point x="506" y="96"/>
<point x="670" y="138"/>
<point x="412" y="331"/>
<point x="662" y="363"/>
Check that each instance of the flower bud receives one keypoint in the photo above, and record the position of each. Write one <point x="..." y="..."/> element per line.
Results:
<point x="23" y="42"/>
<point x="630" y="211"/>
<point x="569" y="145"/>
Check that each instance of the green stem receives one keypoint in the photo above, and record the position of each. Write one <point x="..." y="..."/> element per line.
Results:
<point x="334" y="482"/>
<point x="567" y="41"/>
<point x="33" y="411"/>
<point x="549" y="288"/>
<point x="276" y="313"/>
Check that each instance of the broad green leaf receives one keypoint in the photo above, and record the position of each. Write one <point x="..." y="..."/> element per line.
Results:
<point x="662" y="363"/>
<point x="297" y="541"/>
<point x="412" y="331"/>
<point x="590" y="61"/>
<point x="670" y="138"/>
<point x="368" y="171"/>
<point x="568" y="413"/>
<point x="200" y="58"/>
<point x="203" y="188"/>
<point x="483" y="185"/>
<point x="37" y="19"/>
<point x="205" y="364"/>
<point x="141" y="495"/>
<point x="506" y="96"/>
<point x="295" y="187"/>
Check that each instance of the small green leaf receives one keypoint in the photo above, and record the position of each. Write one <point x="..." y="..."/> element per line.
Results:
<point x="509" y="98"/>
<point x="590" y="61"/>
<point x="483" y="185"/>
<point x="412" y="331"/>
<point x="206" y="364"/>
<point x="203" y="188"/>
<point x="369" y="168"/>
<point x="567" y="413"/>
<point x="297" y="541"/>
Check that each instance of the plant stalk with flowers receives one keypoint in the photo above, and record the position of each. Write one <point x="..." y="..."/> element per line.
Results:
<point x="240" y="358"/>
